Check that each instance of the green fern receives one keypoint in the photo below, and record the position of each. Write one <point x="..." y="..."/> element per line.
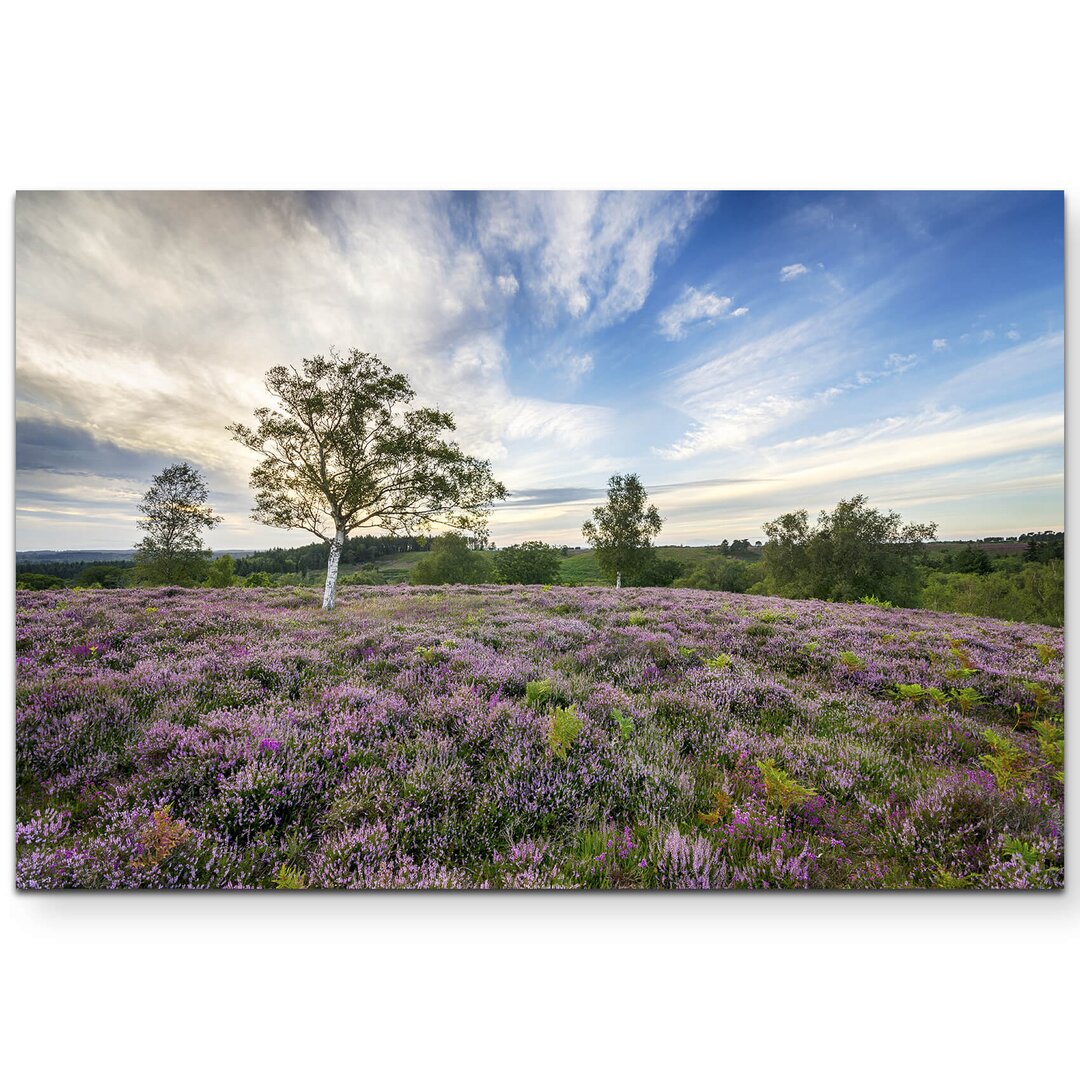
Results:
<point x="967" y="698"/>
<point x="1051" y="734"/>
<point x="782" y="789"/>
<point x="1046" y="653"/>
<point x="909" y="692"/>
<point x="1039" y="694"/>
<point x="1021" y="848"/>
<point x="959" y="673"/>
<point x="626" y="723"/>
<point x="946" y="879"/>
<point x="565" y="725"/>
<point x="288" y="878"/>
<point x="719" y="663"/>
<point x="538" y="693"/>
<point x="851" y="661"/>
<point x="1006" y="761"/>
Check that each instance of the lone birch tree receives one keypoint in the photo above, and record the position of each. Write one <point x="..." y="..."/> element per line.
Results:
<point x="621" y="530"/>
<point x="174" y="514"/>
<point x="342" y="452"/>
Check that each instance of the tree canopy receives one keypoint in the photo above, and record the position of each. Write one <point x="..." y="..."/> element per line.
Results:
<point x="451" y="562"/>
<point x="174" y="516"/>
<point x="530" y="563"/>
<point x="342" y="452"/>
<point x="850" y="552"/>
<point x="621" y="531"/>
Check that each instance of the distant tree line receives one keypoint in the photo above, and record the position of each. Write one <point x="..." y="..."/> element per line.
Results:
<point x="355" y="551"/>
<point x="858" y="553"/>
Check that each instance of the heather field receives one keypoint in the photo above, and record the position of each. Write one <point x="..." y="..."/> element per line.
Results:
<point x="512" y="737"/>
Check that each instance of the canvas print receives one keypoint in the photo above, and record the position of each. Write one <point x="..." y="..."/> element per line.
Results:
<point x="539" y="540"/>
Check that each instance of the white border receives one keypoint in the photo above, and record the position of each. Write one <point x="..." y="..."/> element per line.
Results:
<point x="426" y="95"/>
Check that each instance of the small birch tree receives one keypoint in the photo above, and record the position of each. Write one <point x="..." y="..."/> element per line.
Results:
<point x="621" y="530"/>
<point x="174" y="514"/>
<point x="342" y="452"/>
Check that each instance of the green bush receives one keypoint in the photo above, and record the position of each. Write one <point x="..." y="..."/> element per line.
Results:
<point x="720" y="574"/>
<point x="38" y="581"/>
<point x="451" y="562"/>
<point x="1035" y="593"/>
<point x="530" y="563"/>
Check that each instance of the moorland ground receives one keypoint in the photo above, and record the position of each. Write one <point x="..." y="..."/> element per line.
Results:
<point x="493" y="736"/>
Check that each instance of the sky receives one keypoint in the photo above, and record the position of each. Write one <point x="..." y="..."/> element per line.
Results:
<point x="746" y="353"/>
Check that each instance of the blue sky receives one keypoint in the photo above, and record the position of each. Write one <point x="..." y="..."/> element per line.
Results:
<point x="746" y="353"/>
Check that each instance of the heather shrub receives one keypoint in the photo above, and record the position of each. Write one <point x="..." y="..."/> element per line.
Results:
<point x="681" y="862"/>
<point x="507" y="737"/>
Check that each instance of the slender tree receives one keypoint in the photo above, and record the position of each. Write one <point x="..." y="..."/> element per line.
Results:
<point x="341" y="452"/>
<point x="621" y="531"/>
<point x="174" y="515"/>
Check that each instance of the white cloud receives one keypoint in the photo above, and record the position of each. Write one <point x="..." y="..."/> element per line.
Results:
<point x="571" y="367"/>
<point x="940" y="343"/>
<point x="152" y="318"/>
<point x="588" y="255"/>
<point x="742" y="395"/>
<point x="695" y="306"/>
<point x="789" y="273"/>
<point x="731" y="425"/>
<point x="1009" y="372"/>
<point x="1013" y="335"/>
<point x="896" y="363"/>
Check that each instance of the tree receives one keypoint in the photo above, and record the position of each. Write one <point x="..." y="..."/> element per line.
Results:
<point x="719" y="573"/>
<point x="38" y="581"/>
<point x="656" y="572"/>
<point x="852" y="552"/>
<point x="621" y="531"/>
<point x="221" y="573"/>
<point x="972" y="560"/>
<point x="107" y="575"/>
<point x="530" y="563"/>
<point x="342" y="453"/>
<point x="451" y="562"/>
<point x="174" y="515"/>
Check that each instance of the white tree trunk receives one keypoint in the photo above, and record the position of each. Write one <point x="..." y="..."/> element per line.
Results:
<point x="618" y="579"/>
<point x="331" y="570"/>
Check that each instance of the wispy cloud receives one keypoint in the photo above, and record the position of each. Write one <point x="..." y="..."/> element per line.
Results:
<point x="744" y="394"/>
<point x="588" y="255"/>
<point x="571" y="367"/>
<point x="146" y="322"/>
<point x="696" y="307"/>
